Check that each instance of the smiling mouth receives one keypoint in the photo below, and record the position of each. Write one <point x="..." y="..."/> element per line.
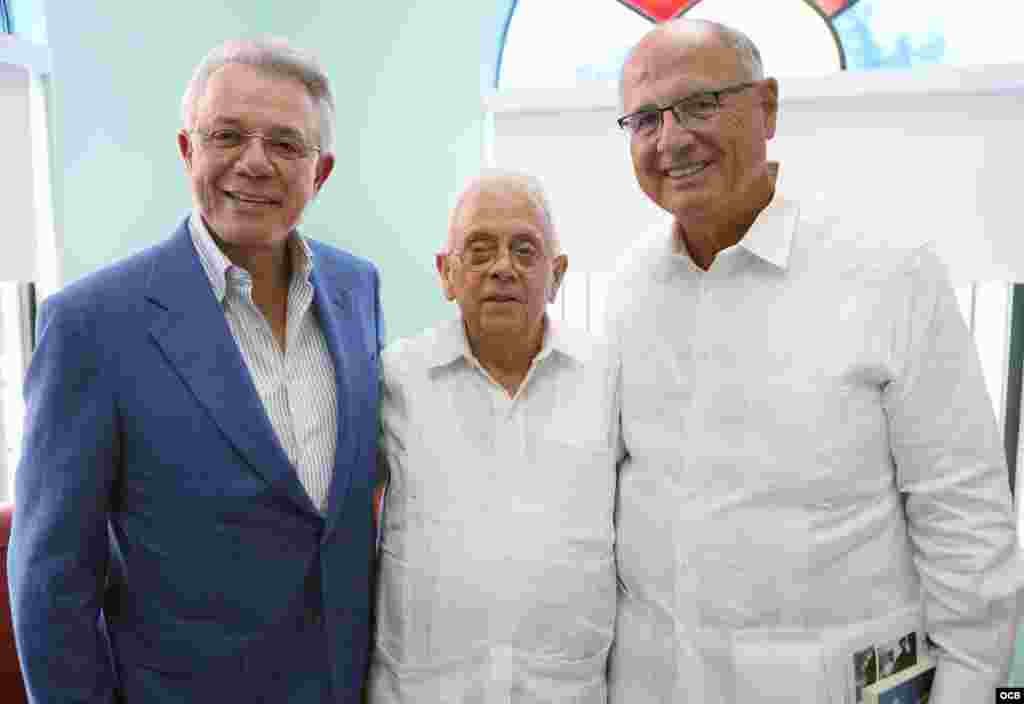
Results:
<point x="250" y="199"/>
<point x="688" y="171"/>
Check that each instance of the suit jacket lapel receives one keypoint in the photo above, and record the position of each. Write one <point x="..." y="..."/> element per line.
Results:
<point x="332" y="307"/>
<point x="190" y="327"/>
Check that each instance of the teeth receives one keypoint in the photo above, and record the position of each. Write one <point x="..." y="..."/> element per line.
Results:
<point x="249" y="199"/>
<point x="687" y="171"/>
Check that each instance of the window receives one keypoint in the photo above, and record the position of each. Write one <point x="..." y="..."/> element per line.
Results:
<point x="16" y="319"/>
<point x="30" y="256"/>
<point x="796" y="37"/>
<point x="888" y="34"/>
<point x="26" y="19"/>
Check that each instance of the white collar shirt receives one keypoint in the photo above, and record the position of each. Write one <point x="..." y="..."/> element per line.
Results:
<point x="497" y="577"/>
<point x="813" y="468"/>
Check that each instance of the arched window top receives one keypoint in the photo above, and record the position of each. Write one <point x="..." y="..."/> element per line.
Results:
<point x="573" y="42"/>
<point x="5" y="17"/>
<point x="24" y="18"/>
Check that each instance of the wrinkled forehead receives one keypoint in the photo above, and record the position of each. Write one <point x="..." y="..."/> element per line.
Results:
<point x="502" y="211"/>
<point x="680" y="61"/>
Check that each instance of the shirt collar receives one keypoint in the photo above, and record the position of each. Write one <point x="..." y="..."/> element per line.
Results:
<point x="217" y="265"/>
<point x="770" y="238"/>
<point x="451" y="344"/>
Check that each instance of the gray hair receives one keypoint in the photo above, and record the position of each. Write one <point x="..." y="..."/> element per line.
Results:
<point x="278" y="58"/>
<point x="747" y="52"/>
<point x="503" y="180"/>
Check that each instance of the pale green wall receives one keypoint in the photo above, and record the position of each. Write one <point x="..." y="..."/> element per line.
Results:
<point x="408" y="81"/>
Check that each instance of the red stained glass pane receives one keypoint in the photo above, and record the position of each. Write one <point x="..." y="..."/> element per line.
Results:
<point x="831" y="8"/>
<point x="660" y="10"/>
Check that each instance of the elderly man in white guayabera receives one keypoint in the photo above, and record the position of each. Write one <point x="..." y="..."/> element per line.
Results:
<point x="813" y="465"/>
<point x="497" y="579"/>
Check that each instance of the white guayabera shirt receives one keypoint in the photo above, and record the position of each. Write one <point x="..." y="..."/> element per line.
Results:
<point x="497" y="576"/>
<point x="813" y="465"/>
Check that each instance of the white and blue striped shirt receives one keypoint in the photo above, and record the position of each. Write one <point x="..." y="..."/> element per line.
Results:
<point x="296" y="385"/>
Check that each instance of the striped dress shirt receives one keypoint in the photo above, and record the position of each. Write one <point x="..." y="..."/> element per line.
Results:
<point x="296" y="385"/>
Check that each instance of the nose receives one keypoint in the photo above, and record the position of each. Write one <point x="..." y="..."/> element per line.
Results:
<point x="673" y="131"/>
<point x="502" y="266"/>
<point x="253" y="159"/>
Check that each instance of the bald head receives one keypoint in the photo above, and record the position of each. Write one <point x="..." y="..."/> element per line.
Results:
<point x="706" y="166"/>
<point x="730" y="47"/>
<point x="514" y="188"/>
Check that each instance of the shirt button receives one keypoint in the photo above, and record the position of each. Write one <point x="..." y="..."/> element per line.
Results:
<point x="316" y="618"/>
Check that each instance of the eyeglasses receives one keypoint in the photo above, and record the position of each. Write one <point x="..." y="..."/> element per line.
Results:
<point x="280" y="146"/>
<point x="698" y="107"/>
<point x="481" y="254"/>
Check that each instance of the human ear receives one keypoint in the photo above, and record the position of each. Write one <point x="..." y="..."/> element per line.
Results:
<point x="442" y="261"/>
<point x="770" y="105"/>
<point x="558" y="269"/>
<point x="185" y="148"/>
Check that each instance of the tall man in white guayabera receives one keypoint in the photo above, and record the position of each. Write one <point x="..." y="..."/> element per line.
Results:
<point x="194" y="500"/>
<point x="497" y="579"/>
<point x="813" y="465"/>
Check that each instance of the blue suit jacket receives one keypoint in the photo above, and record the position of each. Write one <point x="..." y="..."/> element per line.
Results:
<point x="163" y="549"/>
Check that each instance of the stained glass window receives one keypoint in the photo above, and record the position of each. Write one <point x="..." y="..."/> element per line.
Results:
<point x="544" y="46"/>
<point x="25" y="18"/>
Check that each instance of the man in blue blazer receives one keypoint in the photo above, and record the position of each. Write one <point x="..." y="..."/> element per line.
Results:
<point x="193" y="517"/>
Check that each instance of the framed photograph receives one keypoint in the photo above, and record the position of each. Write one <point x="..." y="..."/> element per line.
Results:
<point x="912" y="685"/>
<point x="865" y="670"/>
<point x="897" y="655"/>
<point x="868" y="650"/>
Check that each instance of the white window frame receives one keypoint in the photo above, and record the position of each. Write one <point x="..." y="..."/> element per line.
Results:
<point x="18" y="298"/>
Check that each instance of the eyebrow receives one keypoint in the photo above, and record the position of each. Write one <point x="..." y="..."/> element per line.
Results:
<point x="474" y="237"/>
<point x="275" y="131"/>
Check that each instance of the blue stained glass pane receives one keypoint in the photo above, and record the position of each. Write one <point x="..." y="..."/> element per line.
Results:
<point x="902" y="34"/>
<point x="5" y="17"/>
<point x="26" y="19"/>
<point x="870" y="42"/>
<point x="875" y="35"/>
